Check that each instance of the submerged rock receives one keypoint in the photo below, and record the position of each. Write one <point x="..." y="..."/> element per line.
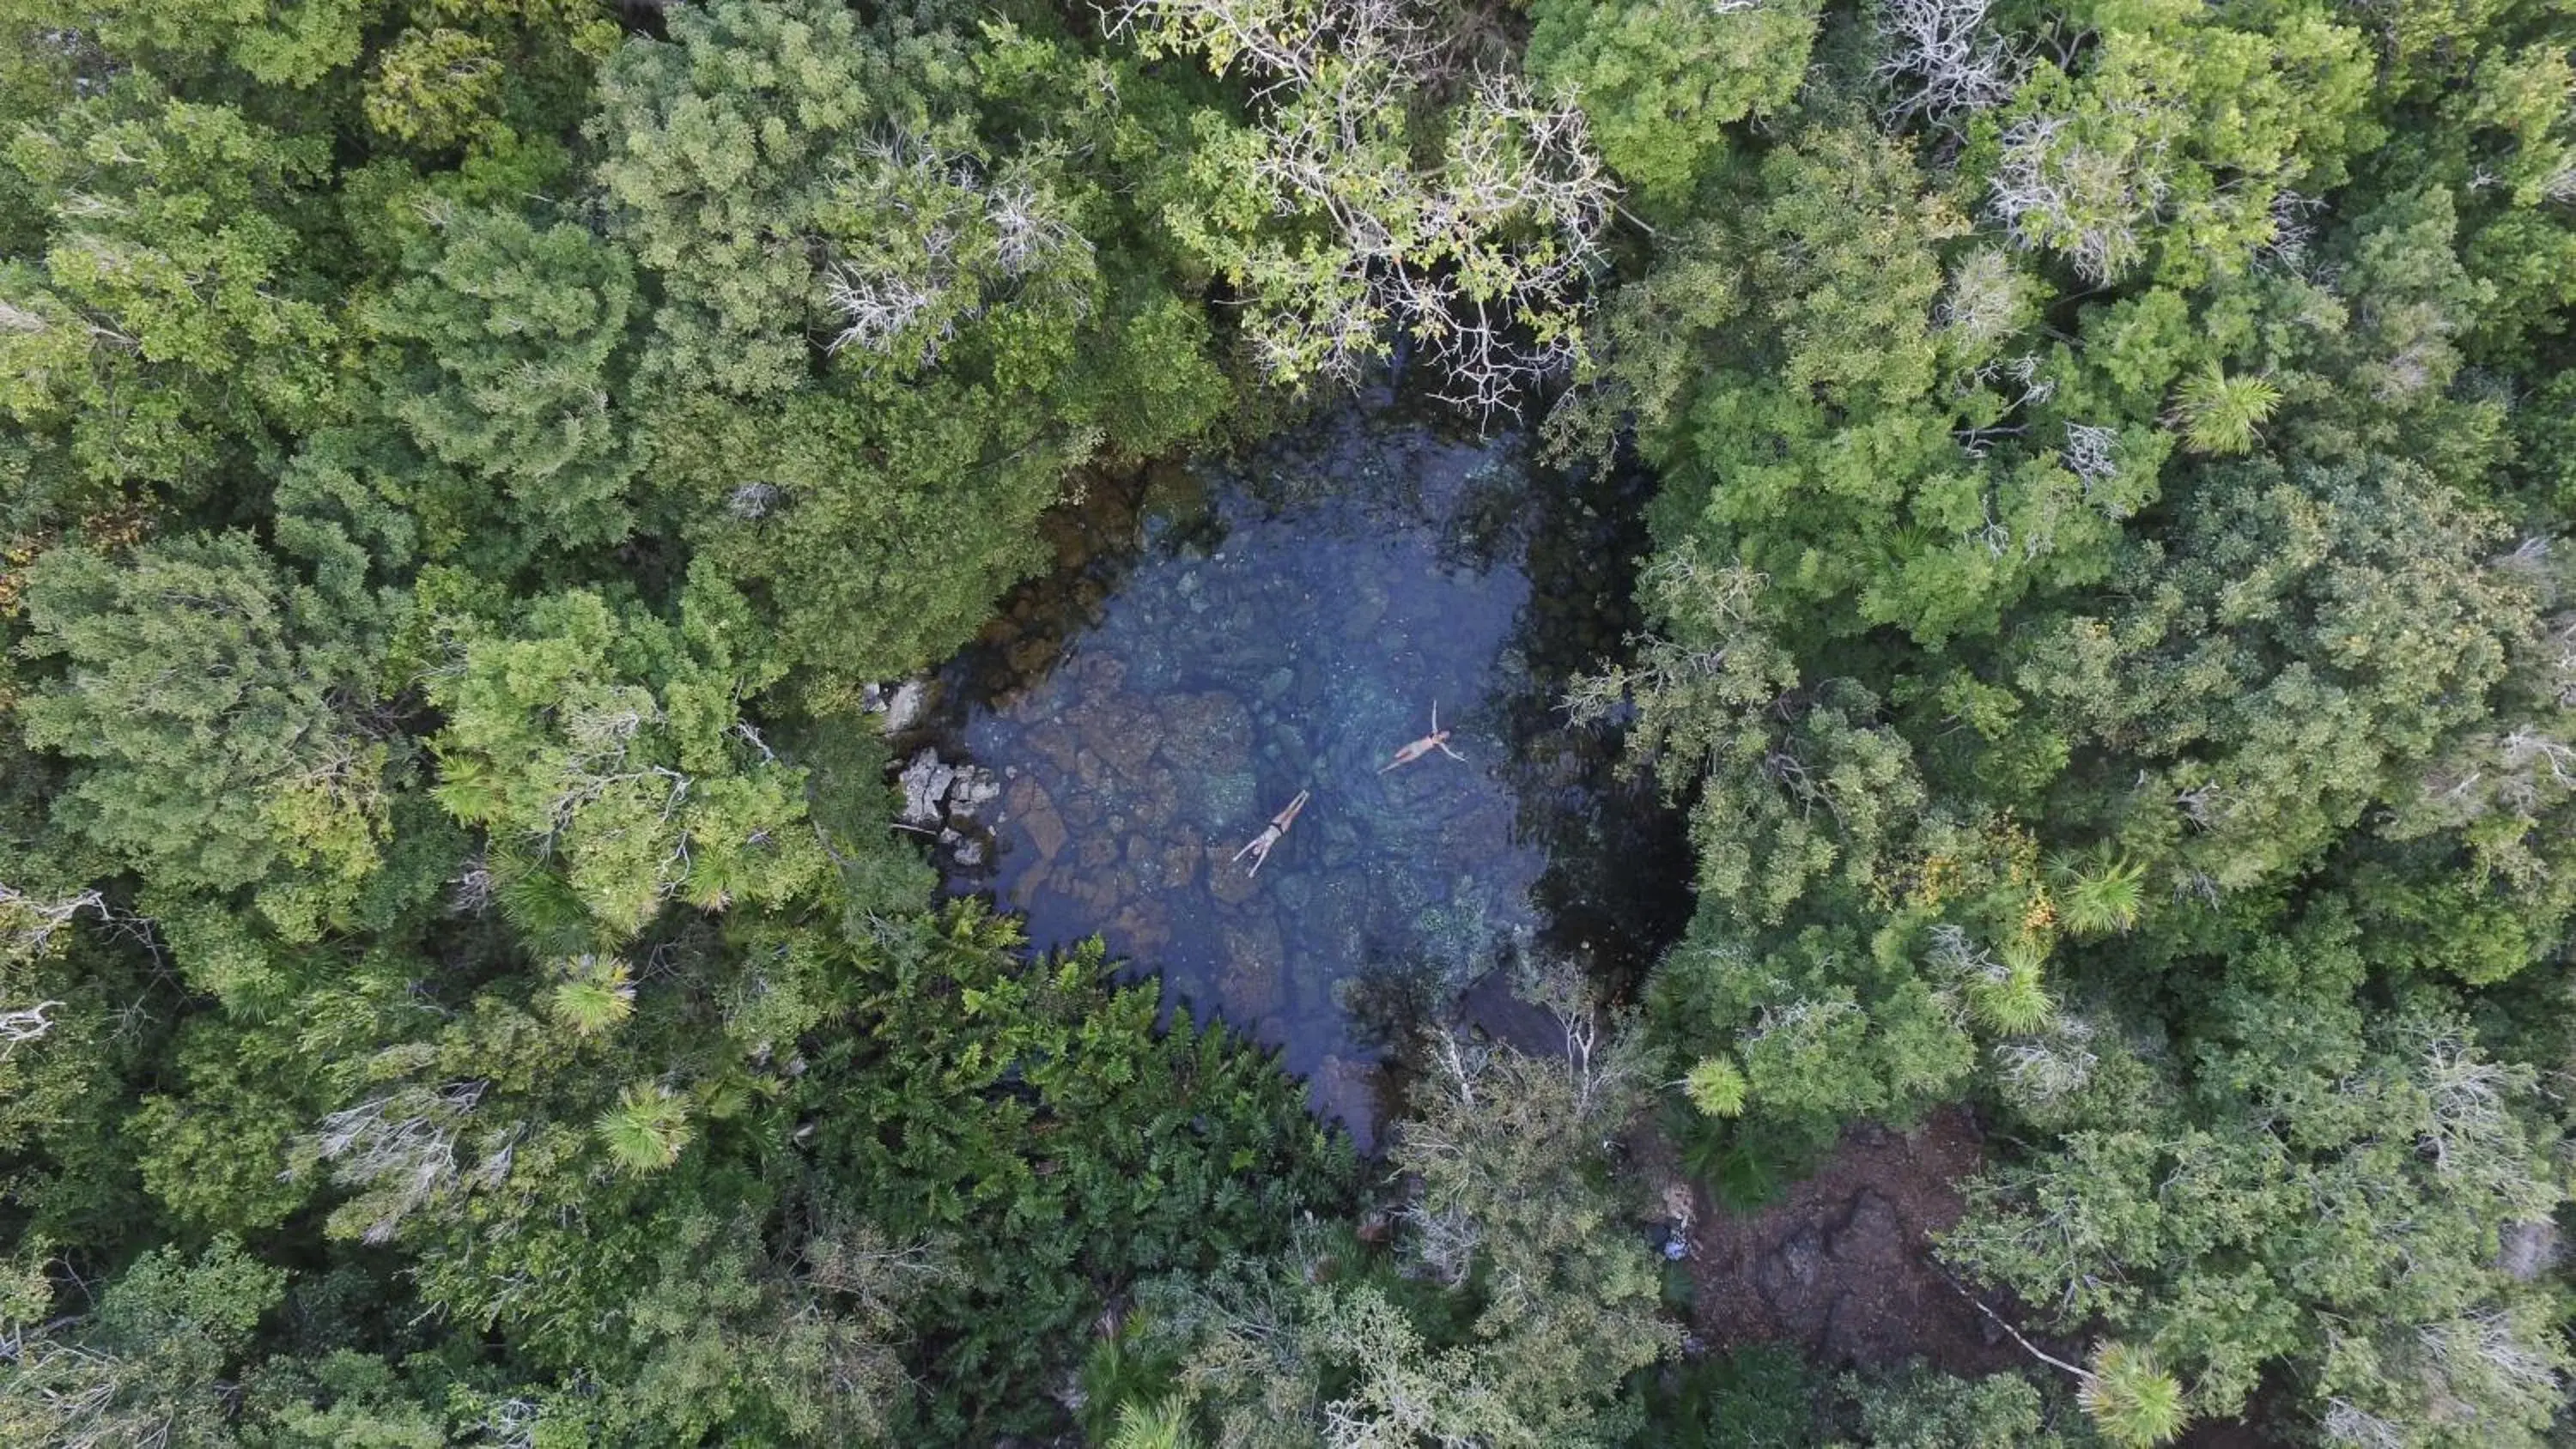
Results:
<point x="1141" y="927"/>
<point x="1180" y="863"/>
<point x="1232" y="884"/>
<point x="1255" y="956"/>
<point x="1206" y="734"/>
<point x="1034" y="809"/>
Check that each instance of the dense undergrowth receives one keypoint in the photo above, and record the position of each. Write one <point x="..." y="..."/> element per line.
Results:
<point x="461" y="461"/>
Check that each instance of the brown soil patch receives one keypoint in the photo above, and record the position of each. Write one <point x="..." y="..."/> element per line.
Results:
<point x="1842" y="1266"/>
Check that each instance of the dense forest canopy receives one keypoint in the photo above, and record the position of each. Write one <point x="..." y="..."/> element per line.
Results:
<point x="464" y="464"/>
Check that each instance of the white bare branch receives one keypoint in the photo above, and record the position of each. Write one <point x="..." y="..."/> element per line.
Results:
<point x="1479" y="259"/>
<point x="939" y="242"/>
<point x="2054" y="189"/>
<point x="1941" y="61"/>
<point x="2046" y="1069"/>
<point x="28" y="923"/>
<point x="2348" y="1424"/>
<point x="24" y="1024"/>
<point x="2092" y="453"/>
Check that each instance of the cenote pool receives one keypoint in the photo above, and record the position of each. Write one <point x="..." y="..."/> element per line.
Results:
<point x="1222" y="635"/>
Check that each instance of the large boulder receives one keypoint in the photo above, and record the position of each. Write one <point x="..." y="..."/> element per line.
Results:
<point x="925" y="785"/>
<point x="907" y="707"/>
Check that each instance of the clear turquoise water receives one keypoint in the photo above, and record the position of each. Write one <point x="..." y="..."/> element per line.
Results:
<point x="1285" y="621"/>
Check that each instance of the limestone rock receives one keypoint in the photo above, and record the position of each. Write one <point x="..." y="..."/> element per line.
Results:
<point x="1205" y="734"/>
<point x="907" y="706"/>
<point x="925" y="787"/>
<point x="973" y="788"/>
<point x="1180" y="863"/>
<point x="1142" y="927"/>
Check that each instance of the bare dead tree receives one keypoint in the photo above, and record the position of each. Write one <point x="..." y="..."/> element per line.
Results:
<point x="2346" y="1423"/>
<point x="28" y="924"/>
<point x="399" y="1147"/>
<point x="2294" y="232"/>
<point x="1481" y="258"/>
<point x="470" y="892"/>
<point x="2486" y="1346"/>
<point x="1982" y="304"/>
<point x="2045" y="1069"/>
<point x="1445" y="1240"/>
<point x="21" y="1025"/>
<point x="942" y="240"/>
<point x="512" y="1423"/>
<point x="752" y="502"/>
<point x="1941" y="60"/>
<point x="1281" y="40"/>
<point x="2054" y="189"/>
<point x="2092" y="453"/>
<point x="877" y="307"/>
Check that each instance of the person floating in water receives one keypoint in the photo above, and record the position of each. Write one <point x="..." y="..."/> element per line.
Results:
<point x="1438" y="739"/>
<point x="1259" y="849"/>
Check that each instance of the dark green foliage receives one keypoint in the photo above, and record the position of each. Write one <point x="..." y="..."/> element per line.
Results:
<point x="1753" y="1398"/>
<point x="866" y="524"/>
<point x="504" y="362"/>
<point x="1662" y="81"/>
<point x="2110" y="621"/>
<point x="146" y="1367"/>
<point x="609" y="746"/>
<point x="216" y="702"/>
<point x="1026" y="1114"/>
<point x="2108" y="521"/>
<point x="1921" y="1409"/>
<point x="1510" y="1312"/>
<point x="170" y="327"/>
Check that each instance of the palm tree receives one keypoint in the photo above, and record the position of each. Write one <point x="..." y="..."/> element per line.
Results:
<point x="2014" y="1000"/>
<point x="2100" y="895"/>
<point x="594" y="996"/>
<point x="2132" y="1400"/>
<point x="1163" y="1425"/>
<point x="2222" y="414"/>
<point x="645" y="1131"/>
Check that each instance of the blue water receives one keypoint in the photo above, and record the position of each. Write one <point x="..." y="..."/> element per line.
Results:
<point x="1286" y="621"/>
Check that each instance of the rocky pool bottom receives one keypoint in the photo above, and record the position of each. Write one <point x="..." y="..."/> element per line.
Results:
<point x="1222" y="635"/>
